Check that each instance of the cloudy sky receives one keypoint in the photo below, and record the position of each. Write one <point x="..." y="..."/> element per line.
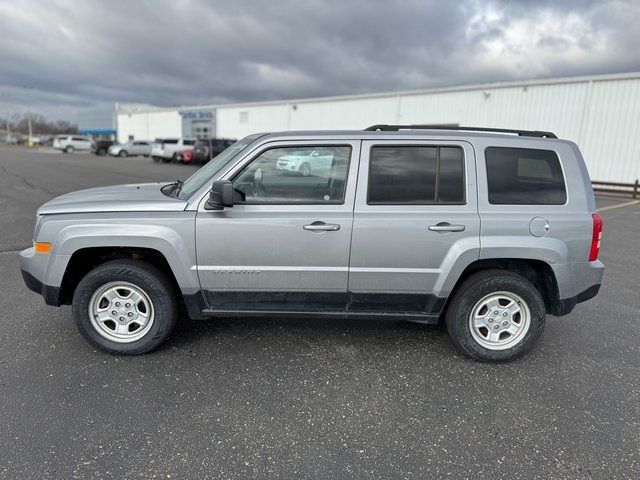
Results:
<point x="64" y="56"/>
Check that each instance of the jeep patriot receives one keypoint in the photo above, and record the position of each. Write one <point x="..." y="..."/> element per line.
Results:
<point x="488" y="230"/>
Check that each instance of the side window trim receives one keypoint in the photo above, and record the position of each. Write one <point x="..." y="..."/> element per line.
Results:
<point x="436" y="201"/>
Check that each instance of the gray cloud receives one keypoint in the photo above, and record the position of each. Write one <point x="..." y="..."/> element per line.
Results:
<point x="75" y="55"/>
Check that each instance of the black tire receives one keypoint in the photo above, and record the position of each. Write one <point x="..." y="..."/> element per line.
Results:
<point x="123" y="153"/>
<point x="167" y="160"/>
<point x="69" y="149"/>
<point x="305" y="169"/>
<point x="476" y="287"/>
<point x="143" y="275"/>
<point x="102" y="152"/>
<point x="155" y="159"/>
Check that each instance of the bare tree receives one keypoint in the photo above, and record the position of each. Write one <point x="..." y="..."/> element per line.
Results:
<point x="20" y="124"/>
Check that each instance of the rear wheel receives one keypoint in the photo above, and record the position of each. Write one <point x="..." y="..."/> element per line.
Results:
<point x="69" y="149"/>
<point x="305" y="169"/>
<point x="125" y="307"/>
<point x="123" y="153"/>
<point x="495" y="316"/>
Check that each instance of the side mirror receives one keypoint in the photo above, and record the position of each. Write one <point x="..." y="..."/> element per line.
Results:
<point x="220" y="196"/>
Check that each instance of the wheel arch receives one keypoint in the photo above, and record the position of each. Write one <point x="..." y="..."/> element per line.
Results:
<point x="84" y="260"/>
<point x="538" y="272"/>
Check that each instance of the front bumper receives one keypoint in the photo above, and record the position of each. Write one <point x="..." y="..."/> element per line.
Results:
<point x="50" y="294"/>
<point x="287" y="167"/>
<point x="37" y="268"/>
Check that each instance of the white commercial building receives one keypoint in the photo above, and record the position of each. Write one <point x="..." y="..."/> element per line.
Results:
<point x="600" y="113"/>
<point x="145" y="122"/>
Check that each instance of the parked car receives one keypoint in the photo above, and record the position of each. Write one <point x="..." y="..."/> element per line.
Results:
<point x="306" y="161"/>
<point x="131" y="148"/>
<point x="47" y="141"/>
<point x="165" y="148"/>
<point x="101" y="147"/>
<point x="71" y="143"/>
<point x="487" y="231"/>
<point x="203" y="151"/>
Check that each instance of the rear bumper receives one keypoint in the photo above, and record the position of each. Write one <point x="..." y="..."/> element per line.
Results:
<point x="578" y="283"/>
<point x="566" y="305"/>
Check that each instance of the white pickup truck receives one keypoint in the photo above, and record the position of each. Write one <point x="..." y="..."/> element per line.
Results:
<point x="165" y="148"/>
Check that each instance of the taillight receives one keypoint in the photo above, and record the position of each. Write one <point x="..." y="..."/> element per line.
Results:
<point x="596" y="237"/>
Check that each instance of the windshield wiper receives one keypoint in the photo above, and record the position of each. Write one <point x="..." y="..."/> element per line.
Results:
<point x="173" y="189"/>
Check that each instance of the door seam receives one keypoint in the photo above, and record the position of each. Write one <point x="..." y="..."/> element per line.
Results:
<point x="353" y="223"/>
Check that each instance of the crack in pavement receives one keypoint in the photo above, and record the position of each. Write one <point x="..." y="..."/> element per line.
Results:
<point x="26" y="182"/>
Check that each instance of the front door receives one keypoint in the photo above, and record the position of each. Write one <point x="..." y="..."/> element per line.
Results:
<point x="415" y="221"/>
<point x="285" y="243"/>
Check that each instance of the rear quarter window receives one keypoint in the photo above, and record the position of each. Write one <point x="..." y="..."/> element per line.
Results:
<point x="524" y="176"/>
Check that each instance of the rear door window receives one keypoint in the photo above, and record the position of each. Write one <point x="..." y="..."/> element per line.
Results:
<point x="416" y="175"/>
<point x="524" y="176"/>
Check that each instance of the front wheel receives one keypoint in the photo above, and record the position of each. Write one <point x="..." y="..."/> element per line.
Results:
<point x="123" y="153"/>
<point x="125" y="307"/>
<point x="495" y="316"/>
<point x="305" y="169"/>
<point x="69" y="149"/>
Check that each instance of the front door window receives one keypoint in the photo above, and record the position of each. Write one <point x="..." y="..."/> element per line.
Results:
<point x="294" y="175"/>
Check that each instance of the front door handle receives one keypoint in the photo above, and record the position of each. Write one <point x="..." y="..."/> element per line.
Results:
<point x="322" y="227"/>
<point x="446" y="227"/>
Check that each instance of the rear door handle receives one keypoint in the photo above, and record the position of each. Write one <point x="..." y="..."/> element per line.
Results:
<point x="446" y="227"/>
<point x="322" y="227"/>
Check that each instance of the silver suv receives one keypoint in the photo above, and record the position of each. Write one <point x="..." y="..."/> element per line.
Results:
<point x="71" y="143"/>
<point x="488" y="230"/>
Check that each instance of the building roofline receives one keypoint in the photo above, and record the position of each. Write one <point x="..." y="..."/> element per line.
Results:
<point x="122" y="108"/>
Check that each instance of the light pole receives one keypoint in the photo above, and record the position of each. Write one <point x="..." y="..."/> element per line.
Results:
<point x="30" y="127"/>
<point x="28" y="88"/>
<point x="7" y="121"/>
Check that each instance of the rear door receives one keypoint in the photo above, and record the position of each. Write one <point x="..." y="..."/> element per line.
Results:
<point x="415" y="222"/>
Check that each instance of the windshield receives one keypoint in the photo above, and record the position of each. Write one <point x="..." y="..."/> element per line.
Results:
<point x="206" y="173"/>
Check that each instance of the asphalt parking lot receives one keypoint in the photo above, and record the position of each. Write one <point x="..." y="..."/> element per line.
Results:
<point x="302" y="399"/>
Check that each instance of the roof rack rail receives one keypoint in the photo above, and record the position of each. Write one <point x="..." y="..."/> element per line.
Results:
<point x="522" y="133"/>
